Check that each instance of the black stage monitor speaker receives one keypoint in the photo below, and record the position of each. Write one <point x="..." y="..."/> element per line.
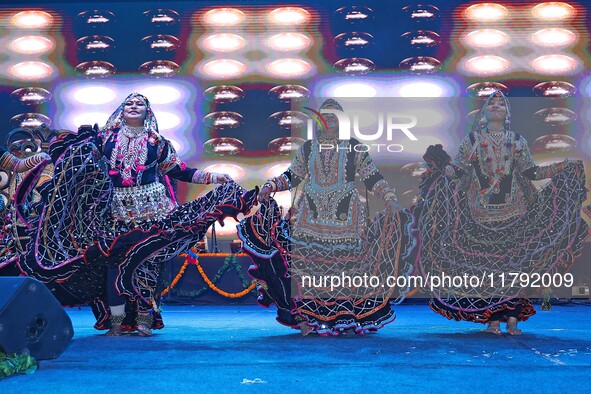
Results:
<point x="32" y="321"/>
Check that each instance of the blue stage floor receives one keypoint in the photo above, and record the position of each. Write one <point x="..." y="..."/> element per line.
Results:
<point x="214" y="349"/>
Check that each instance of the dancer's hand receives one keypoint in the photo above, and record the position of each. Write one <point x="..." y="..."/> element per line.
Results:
<point x="221" y="179"/>
<point x="393" y="206"/>
<point x="264" y="193"/>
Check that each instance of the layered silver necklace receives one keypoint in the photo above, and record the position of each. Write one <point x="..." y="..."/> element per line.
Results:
<point x="131" y="150"/>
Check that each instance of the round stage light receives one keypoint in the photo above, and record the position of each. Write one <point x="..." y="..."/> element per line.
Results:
<point x="355" y="66"/>
<point x="223" y="42"/>
<point x="90" y="118"/>
<point x="554" y="89"/>
<point x="32" y="19"/>
<point x="167" y="120"/>
<point x="31" y="96"/>
<point x="32" y="45"/>
<point x="556" y="116"/>
<point x="554" y="37"/>
<point x="421" y="89"/>
<point x="289" y="16"/>
<point x="224" y="146"/>
<point x="223" y="119"/>
<point x="554" y="143"/>
<point x="29" y="120"/>
<point x="96" y="69"/>
<point x="162" y="17"/>
<point x="95" y="44"/>
<point x="553" y="10"/>
<point x="286" y="93"/>
<point x="420" y="64"/>
<point x="223" y="94"/>
<point x="160" y="68"/>
<point x="277" y="169"/>
<point x="486" y="38"/>
<point x="554" y="64"/>
<point x="355" y="13"/>
<point x="289" y="42"/>
<point x="285" y="145"/>
<point x="354" y="40"/>
<point x="161" y="42"/>
<point x="96" y="18"/>
<point x="161" y="94"/>
<point x="355" y="89"/>
<point x="485" y="65"/>
<point x="223" y="17"/>
<point x="286" y="68"/>
<point x="289" y="119"/>
<point x="485" y="89"/>
<point x="95" y="95"/>
<point x="223" y="68"/>
<point x="31" y="70"/>
<point x="421" y="12"/>
<point x="422" y="39"/>
<point x="486" y="12"/>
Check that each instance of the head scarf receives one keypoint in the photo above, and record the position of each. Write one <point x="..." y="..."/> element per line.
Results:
<point x="480" y="122"/>
<point x="116" y="120"/>
<point x="130" y="153"/>
<point x="331" y="103"/>
<point x="319" y="129"/>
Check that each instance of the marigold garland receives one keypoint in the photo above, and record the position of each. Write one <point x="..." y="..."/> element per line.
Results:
<point x="212" y="286"/>
<point x="176" y="279"/>
<point x="192" y="258"/>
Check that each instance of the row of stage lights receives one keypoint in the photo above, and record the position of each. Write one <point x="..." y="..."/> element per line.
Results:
<point x="220" y="120"/>
<point x="227" y="91"/>
<point x="218" y="43"/>
<point x="28" y="48"/>
<point x="225" y="44"/>
<point x="477" y="12"/>
<point x="490" y="32"/>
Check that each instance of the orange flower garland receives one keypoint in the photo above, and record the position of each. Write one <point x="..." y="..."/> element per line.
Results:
<point x="176" y="279"/>
<point x="191" y="258"/>
<point x="212" y="286"/>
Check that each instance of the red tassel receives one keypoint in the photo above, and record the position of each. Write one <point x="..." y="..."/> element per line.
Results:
<point x="183" y="166"/>
<point x="141" y="168"/>
<point x="113" y="172"/>
<point x="127" y="182"/>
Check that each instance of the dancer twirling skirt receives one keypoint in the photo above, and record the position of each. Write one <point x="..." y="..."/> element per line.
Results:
<point x="482" y="216"/>
<point x="112" y="223"/>
<point x="328" y="234"/>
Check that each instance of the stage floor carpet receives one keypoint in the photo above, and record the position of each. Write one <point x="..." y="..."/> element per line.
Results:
<point x="241" y="349"/>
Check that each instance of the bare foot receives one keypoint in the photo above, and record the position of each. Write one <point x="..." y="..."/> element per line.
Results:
<point x="512" y="326"/>
<point x="114" y="331"/>
<point x="494" y="327"/>
<point x="305" y="328"/>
